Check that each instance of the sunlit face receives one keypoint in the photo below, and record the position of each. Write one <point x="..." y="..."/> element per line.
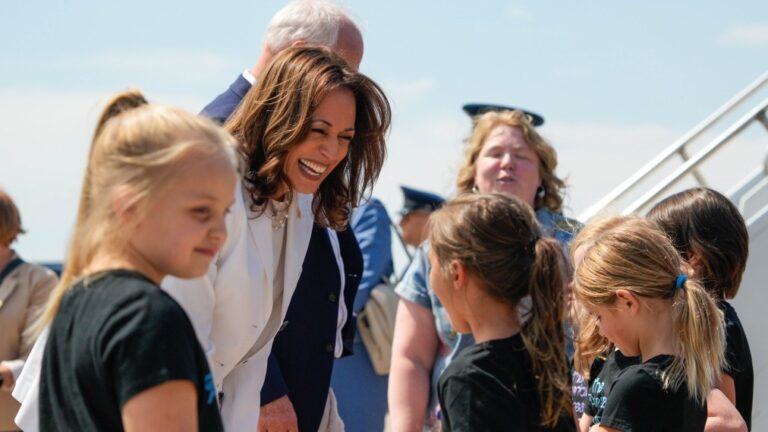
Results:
<point x="412" y="226"/>
<point x="508" y="165"/>
<point x="445" y="291"/>
<point x="185" y="228"/>
<point x="332" y="127"/>
<point x="612" y="323"/>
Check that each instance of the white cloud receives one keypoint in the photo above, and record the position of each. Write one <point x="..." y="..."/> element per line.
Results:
<point x="517" y="12"/>
<point x="747" y="34"/>
<point x="405" y="92"/>
<point x="175" y="65"/>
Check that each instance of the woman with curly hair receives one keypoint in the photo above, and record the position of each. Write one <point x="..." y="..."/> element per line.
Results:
<point x="505" y="155"/>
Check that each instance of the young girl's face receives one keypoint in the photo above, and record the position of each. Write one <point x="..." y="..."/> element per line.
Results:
<point x="613" y="325"/>
<point x="445" y="291"/>
<point x="184" y="229"/>
<point x="610" y="320"/>
<point x="332" y="128"/>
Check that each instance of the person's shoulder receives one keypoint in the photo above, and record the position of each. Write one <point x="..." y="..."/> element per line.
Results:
<point x="414" y="284"/>
<point x="484" y="357"/>
<point x="37" y="274"/>
<point x="469" y="366"/>
<point x="368" y="213"/>
<point x="617" y="360"/>
<point x="729" y="313"/>
<point x="641" y="379"/>
<point x="132" y="289"/>
<point x="737" y="350"/>
<point x="466" y="359"/>
<point x="597" y="366"/>
<point x="559" y="224"/>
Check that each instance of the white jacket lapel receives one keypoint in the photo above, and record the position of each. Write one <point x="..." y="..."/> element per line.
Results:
<point x="299" y="231"/>
<point x="260" y="228"/>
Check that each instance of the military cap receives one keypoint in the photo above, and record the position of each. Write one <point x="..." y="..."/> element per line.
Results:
<point x="414" y="199"/>
<point x="475" y="109"/>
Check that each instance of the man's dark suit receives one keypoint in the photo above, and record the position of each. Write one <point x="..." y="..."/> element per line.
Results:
<point x="301" y="360"/>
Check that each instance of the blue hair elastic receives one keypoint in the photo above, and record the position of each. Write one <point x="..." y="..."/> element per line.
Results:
<point x="680" y="281"/>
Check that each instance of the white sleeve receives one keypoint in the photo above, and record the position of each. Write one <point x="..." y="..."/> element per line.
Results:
<point x="27" y="387"/>
<point x="198" y="299"/>
<point x="248" y="77"/>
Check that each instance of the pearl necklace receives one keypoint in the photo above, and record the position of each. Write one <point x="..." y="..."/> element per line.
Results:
<point x="278" y="213"/>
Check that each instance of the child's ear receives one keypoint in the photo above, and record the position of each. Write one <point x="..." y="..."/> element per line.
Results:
<point x="694" y="260"/>
<point x="121" y="204"/>
<point x="459" y="273"/>
<point x="627" y="300"/>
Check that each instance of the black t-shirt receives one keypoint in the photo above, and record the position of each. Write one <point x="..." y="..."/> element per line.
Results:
<point x="602" y="377"/>
<point x="579" y="391"/>
<point x="638" y="402"/>
<point x="491" y="387"/>
<point x="739" y="360"/>
<point x="111" y="340"/>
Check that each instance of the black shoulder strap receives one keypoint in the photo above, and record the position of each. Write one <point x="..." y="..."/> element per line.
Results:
<point x="10" y="267"/>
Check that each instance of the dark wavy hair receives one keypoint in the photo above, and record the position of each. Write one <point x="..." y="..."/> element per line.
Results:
<point x="276" y="115"/>
<point x="704" y="223"/>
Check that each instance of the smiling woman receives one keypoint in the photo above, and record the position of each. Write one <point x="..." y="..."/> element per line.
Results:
<point x="311" y="139"/>
<point x="312" y="125"/>
<point x="332" y="129"/>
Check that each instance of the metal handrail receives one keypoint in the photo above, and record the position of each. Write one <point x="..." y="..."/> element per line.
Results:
<point x="678" y="147"/>
<point x="698" y="158"/>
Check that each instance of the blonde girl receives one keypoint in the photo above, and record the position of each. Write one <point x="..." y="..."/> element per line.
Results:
<point x="487" y="254"/>
<point x="638" y="291"/>
<point x="121" y="354"/>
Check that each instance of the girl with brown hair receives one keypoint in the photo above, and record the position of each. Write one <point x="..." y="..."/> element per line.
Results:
<point x="487" y="255"/>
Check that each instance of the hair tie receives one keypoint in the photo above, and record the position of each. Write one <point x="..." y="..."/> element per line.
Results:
<point x="680" y="281"/>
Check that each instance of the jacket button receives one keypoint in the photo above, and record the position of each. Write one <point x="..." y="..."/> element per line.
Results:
<point x="332" y="297"/>
<point x="330" y="347"/>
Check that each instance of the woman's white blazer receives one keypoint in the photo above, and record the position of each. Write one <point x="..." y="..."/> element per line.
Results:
<point x="230" y="307"/>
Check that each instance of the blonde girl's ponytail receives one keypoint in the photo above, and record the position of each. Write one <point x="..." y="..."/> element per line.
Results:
<point x="700" y="324"/>
<point x="543" y="333"/>
<point x="119" y="104"/>
<point x="78" y="255"/>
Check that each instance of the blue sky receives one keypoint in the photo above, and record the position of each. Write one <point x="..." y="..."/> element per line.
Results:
<point x="616" y="81"/>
